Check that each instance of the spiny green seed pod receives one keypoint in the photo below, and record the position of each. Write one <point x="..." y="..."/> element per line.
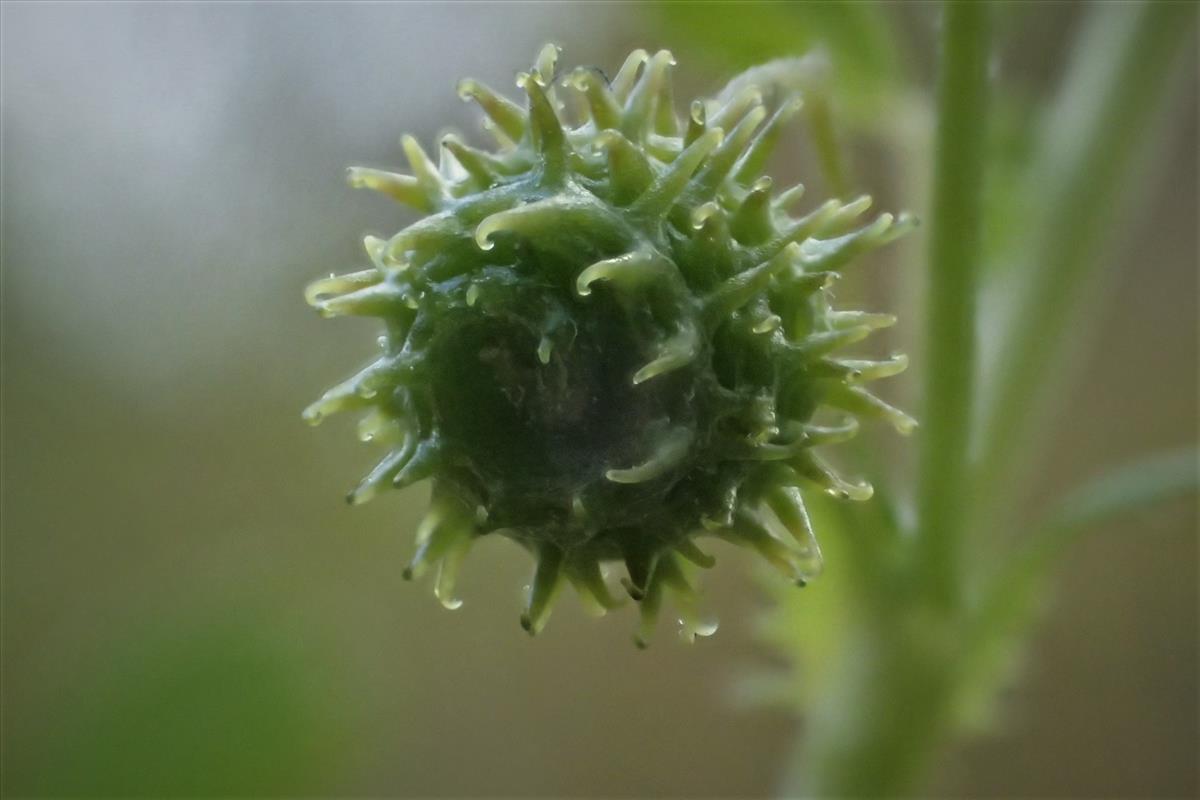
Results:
<point x="608" y="338"/>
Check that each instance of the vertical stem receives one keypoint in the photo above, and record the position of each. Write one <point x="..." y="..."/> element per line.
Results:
<point x="878" y="728"/>
<point x="888" y="703"/>
<point x="956" y="222"/>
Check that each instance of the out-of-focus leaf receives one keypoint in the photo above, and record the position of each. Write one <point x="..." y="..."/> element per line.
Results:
<point x="211" y="708"/>
<point x="1128" y="488"/>
<point x="997" y="634"/>
<point x="858" y="36"/>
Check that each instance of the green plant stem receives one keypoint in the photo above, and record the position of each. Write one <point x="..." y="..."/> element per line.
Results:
<point x="897" y="683"/>
<point x="879" y="721"/>
<point x="878" y="727"/>
<point x="954" y="256"/>
<point x="1107" y="101"/>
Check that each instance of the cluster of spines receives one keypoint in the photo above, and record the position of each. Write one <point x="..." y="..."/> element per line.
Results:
<point x="631" y="169"/>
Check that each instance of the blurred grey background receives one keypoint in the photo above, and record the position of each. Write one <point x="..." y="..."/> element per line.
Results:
<point x="188" y="606"/>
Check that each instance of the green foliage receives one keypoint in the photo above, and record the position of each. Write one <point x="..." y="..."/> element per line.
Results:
<point x="858" y="36"/>
<point x="842" y="57"/>
<point x="1013" y="595"/>
<point x="210" y="708"/>
<point x="608" y="337"/>
<point x="909" y="640"/>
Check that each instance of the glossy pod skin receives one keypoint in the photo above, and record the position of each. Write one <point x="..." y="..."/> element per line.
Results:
<point x="607" y="338"/>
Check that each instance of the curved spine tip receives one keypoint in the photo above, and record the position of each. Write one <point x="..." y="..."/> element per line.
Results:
<point x="627" y="75"/>
<point x="697" y="122"/>
<point x="689" y="550"/>
<point x="738" y="290"/>
<point x="820" y="435"/>
<point x="640" y="563"/>
<point x="379" y="476"/>
<point x="447" y="577"/>
<point x="840" y="320"/>
<point x="377" y="300"/>
<point x="679" y="351"/>
<point x="602" y="105"/>
<point x="549" y="139"/>
<point x="422" y="464"/>
<point x="546" y="62"/>
<point x="752" y="222"/>
<point x="628" y="271"/>
<point x="445" y="532"/>
<point x="478" y="165"/>
<point x="406" y="189"/>
<point x="640" y="107"/>
<point x="750" y="530"/>
<point x="588" y="580"/>
<point x="507" y="116"/>
<point x="754" y="159"/>
<point x="670" y="451"/>
<point x="858" y="400"/>
<point x="703" y="213"/>
<point x="810" y="467"/>
<point x="547" y="580"/>
<point x="705" y="184"/>
<point x="787" y="504"/>
<point x="648" y="608"/>
<point x="322" y="290"/>
<point x="820" y="343"/>
<point x="629" y="170"/>
<point x="657" y="200"/>
<point x="800" y="229"/>
<point x="429" y="180"/>
<point x="789" y="197"/>
<point x="545" y="349"/>
<point x="738" y="106"/>
<point x="861" y="370"/>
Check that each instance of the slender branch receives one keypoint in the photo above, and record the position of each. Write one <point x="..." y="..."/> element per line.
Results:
<point x="1127" y="488"/>
<point x="1012" y="594"/>
<point x="865" y="740"/>
<point x="956" y="222"/>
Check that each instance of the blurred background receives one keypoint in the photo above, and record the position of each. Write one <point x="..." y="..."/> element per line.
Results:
<point x="189" y="608"/>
